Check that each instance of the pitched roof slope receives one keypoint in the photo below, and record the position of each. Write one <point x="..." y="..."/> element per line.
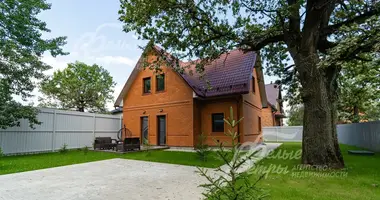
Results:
<point x="272" y="91"/>
<point x="229" y="74"/>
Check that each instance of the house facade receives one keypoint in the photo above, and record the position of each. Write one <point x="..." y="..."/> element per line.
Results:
<point x="273" y="114"/>
<point x="173" y="109"/>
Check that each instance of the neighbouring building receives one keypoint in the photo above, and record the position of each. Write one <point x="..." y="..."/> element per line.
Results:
<point x="174" y="108"/>
<point x="273" y="115"/>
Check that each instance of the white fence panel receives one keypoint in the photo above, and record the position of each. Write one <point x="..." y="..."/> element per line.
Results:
<point x="283" y="133"/>
<point x="75" y="129"/>
<point x="365" y="135"/>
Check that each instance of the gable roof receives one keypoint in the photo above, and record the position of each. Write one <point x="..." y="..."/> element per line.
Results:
<point x="273" y="93"/>
<point x="227" y="75"/>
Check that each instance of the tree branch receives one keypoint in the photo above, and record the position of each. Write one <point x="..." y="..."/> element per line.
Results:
<point x="358" y="19"/>
<point x="256" y="44"/>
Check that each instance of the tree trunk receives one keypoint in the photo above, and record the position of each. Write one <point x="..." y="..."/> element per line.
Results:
<point x="319" y="143"/>
<point x="356" y="119"/>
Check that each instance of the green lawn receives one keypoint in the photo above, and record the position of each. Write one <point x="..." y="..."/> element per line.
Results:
<point x="13" y="164"/>
<point x="362" y="181"/>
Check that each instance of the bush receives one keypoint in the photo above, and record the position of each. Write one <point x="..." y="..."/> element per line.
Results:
<point x="63" y="149"/>
<point x="202" y="149"/>
<point x="1" y="152"/>
<point x="226" y="182"/>
<point x="147" y="146"/>
<point x="85" y="150"/>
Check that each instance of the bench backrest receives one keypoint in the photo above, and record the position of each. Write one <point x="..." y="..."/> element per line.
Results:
<point x="132" y="141"/>
<point x="103" y="140"/>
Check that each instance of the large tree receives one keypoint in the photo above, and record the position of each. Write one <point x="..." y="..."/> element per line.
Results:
<point x="359" y="92"/>
<point x="21" y="48"/>
<point x="304" y="30"/>
<point x="79" y="86"/>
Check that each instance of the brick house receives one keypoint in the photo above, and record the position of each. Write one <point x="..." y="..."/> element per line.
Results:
<point x="174" y="108"/>
<point x="273" y="114"/>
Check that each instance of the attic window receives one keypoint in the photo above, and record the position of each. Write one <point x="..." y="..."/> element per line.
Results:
<point x="253" y="84"/>
<point x="160" y="82"/>
<point x="147" y="85"/>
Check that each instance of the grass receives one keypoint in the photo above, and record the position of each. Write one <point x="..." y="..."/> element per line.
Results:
<point x="14" y="164"/>
<point x="362" y="181"/>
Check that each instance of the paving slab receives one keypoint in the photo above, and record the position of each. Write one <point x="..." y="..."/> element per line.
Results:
<point x="109" y="179"/>
<point x="114" y="179"/>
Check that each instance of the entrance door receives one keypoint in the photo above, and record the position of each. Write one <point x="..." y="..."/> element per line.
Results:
<point x="161" y="129"/>
<point x="144" y="129"/>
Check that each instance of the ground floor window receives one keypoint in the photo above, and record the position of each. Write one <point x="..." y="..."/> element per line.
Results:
<point x="217" y="122"/>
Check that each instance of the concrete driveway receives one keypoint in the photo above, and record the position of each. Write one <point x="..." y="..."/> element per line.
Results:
<point x="109" y="179"/>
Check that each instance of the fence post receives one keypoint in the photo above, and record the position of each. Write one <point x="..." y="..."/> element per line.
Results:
<point x="94" y="127"/>
<point x="54" y="129"/>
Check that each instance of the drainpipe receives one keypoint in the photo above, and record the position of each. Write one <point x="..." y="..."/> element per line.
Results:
<point x="238" y="115"/>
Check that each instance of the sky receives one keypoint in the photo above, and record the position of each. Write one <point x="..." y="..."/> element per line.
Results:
<point x="94" y="35"/>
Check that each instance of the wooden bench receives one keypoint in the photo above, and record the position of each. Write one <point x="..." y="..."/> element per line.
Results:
<point x="131" y="144"/>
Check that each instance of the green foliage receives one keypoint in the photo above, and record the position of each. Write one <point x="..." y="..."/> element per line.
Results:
<point x="79" y="86"/>
<point x="295" y="115"/>
<point x="227" y="182"/>
<point x="201" y="147"/>
<point x="63" y="149"/>
<point x="1" y="152"/>
<point x="85" y="150"/>
<point x="147" y="147"/>
<point x="21" y="48"/>
<point x="360" y="90"/>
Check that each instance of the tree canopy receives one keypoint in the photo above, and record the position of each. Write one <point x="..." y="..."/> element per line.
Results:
<point x="79" y="86"/>
<point x="359" y="94"/>
<point x="21" y="48"/>
<point x="316" y="34"/>
<point x="295" y="115"/>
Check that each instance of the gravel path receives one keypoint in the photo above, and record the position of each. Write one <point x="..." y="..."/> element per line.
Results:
<point x="109" y="179"/>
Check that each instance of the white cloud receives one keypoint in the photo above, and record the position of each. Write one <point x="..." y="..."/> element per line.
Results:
<point x="116" y="60"/>
<point x="55" y="63"/>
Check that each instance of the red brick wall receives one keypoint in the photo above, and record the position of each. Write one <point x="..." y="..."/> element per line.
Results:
<point x="267" y="117"/>
<point x="176" y="102"/>
<point x="252" y="106"/>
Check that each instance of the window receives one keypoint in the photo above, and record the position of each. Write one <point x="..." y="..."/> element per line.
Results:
<point x="217" y="122"/>
<point x="146" y="82"/>
<point x="160" y="82"/>
<point x="253" y="84"/>
<point x="259" y="124"/>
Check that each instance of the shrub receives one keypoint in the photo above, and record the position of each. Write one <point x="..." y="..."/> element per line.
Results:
<point x="85" y="150"/>
<point x="63" y="149"/>
<point x="202" y="149"/>
<point x="147" y="146"/>
<point x="1" y="152"/>
<point x="226" y="182"/>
